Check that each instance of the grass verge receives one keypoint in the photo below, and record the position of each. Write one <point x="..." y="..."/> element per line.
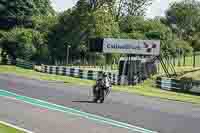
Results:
<point x="43" y="76"/>
<point x="145" y="89"/>
<point x="7" y="129"/>
<point x="194" y="75"/>
<point x="148" y="89"/>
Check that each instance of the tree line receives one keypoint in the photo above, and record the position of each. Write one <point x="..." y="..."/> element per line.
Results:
<point x="33" y="31"/>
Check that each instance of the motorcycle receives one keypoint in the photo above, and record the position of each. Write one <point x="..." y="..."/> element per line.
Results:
<point x="100" y="91"/>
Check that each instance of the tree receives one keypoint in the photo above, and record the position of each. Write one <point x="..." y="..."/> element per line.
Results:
<point x="74" y="28"/>
<point x="196" y="42"/>
<point x="24" y="43"/>
<point x="105" y="27"/>
<point x="43" y="7"/>
<point x="137" y="27"/>
<point x="129" y="24"/>
<point x="104" y="24"/>
<point x="183" y="45"/>
<point x="43" y="23"/>
<point x="183" y="17"/>
<point x="131" y="7"/>
<point x="39" y="41"/>
<point x="122" y="7"/>
<point x="25" y="8"/>
<point x="2" y="34"/>
<point x="97" y="4"/>
<point x="19" y="12"/>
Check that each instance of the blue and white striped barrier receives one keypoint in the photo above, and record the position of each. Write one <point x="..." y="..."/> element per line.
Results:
<point x="88" y="74"/>
<point x="79" y="73"/>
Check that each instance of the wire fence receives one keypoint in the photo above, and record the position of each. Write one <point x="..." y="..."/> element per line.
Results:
<point x="189" y="61"/>
<point x="193" y="61"/>
<point x="181" y="63"/>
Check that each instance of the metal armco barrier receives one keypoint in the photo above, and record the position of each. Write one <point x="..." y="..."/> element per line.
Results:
<point x="24" y="64"/>
<point x="20" y="63"/>
<point x="7" y="62"/>
<point x="174" y="84"/>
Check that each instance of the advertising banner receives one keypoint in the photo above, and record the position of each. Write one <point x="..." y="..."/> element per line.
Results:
<point x="129" y="46"/>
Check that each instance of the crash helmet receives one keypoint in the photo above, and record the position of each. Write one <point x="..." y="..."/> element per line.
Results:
<point x="104" y="74"/>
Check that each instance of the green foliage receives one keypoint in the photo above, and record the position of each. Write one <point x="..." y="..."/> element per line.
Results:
<point x="131" y="7"/>
<point x="17" y="43"/>
<point x="25" y="7"/>
<point x="153" y="35"/>
<point x="139" y="28"/>
<point x="23" y="43"/>
<point x="43" y="7"/>
<point x="76" y="26"/>
<point x="185" y="16"/>
<point x="124" y="35"/>
<point x="43" y="23"/>
<point x="196" y="42"/>
<point x="20" y="12"/>
<point x="183" y="45"/>
<point x="136" y="35"/>
<point x="155" y="26"/>
<point x="100" y="60"/>
<point x="105" y="25"/>
<point x="1" y="34"/>
<point x="132" y="23"/>
<point x="39" y="41"/>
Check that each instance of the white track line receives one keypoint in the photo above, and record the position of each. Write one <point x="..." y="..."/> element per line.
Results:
<point x="16" y="127"/>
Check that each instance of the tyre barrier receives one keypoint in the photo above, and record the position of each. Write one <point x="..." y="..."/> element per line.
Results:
<point x="79" y="73"/>
<point x="87" y="74"/>
<point x="184" y="85"/>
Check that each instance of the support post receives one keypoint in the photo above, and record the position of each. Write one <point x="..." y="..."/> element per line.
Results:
<point x="194" y="59"/>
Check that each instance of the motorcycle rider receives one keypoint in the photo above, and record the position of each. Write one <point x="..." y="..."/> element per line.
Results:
<point x="106" y="83"/>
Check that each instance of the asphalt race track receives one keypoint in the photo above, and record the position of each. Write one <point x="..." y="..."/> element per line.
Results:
<point x="153" y="114"/>
<point x="41" y="120"/>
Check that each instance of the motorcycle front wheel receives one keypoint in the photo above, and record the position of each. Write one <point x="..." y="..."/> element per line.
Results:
<point x="95" y="94"/>
<point x="99" y="95"/>
<point x="102" y="96"/>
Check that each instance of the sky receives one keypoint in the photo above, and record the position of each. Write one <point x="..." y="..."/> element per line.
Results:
<point x="158" y="7"/>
